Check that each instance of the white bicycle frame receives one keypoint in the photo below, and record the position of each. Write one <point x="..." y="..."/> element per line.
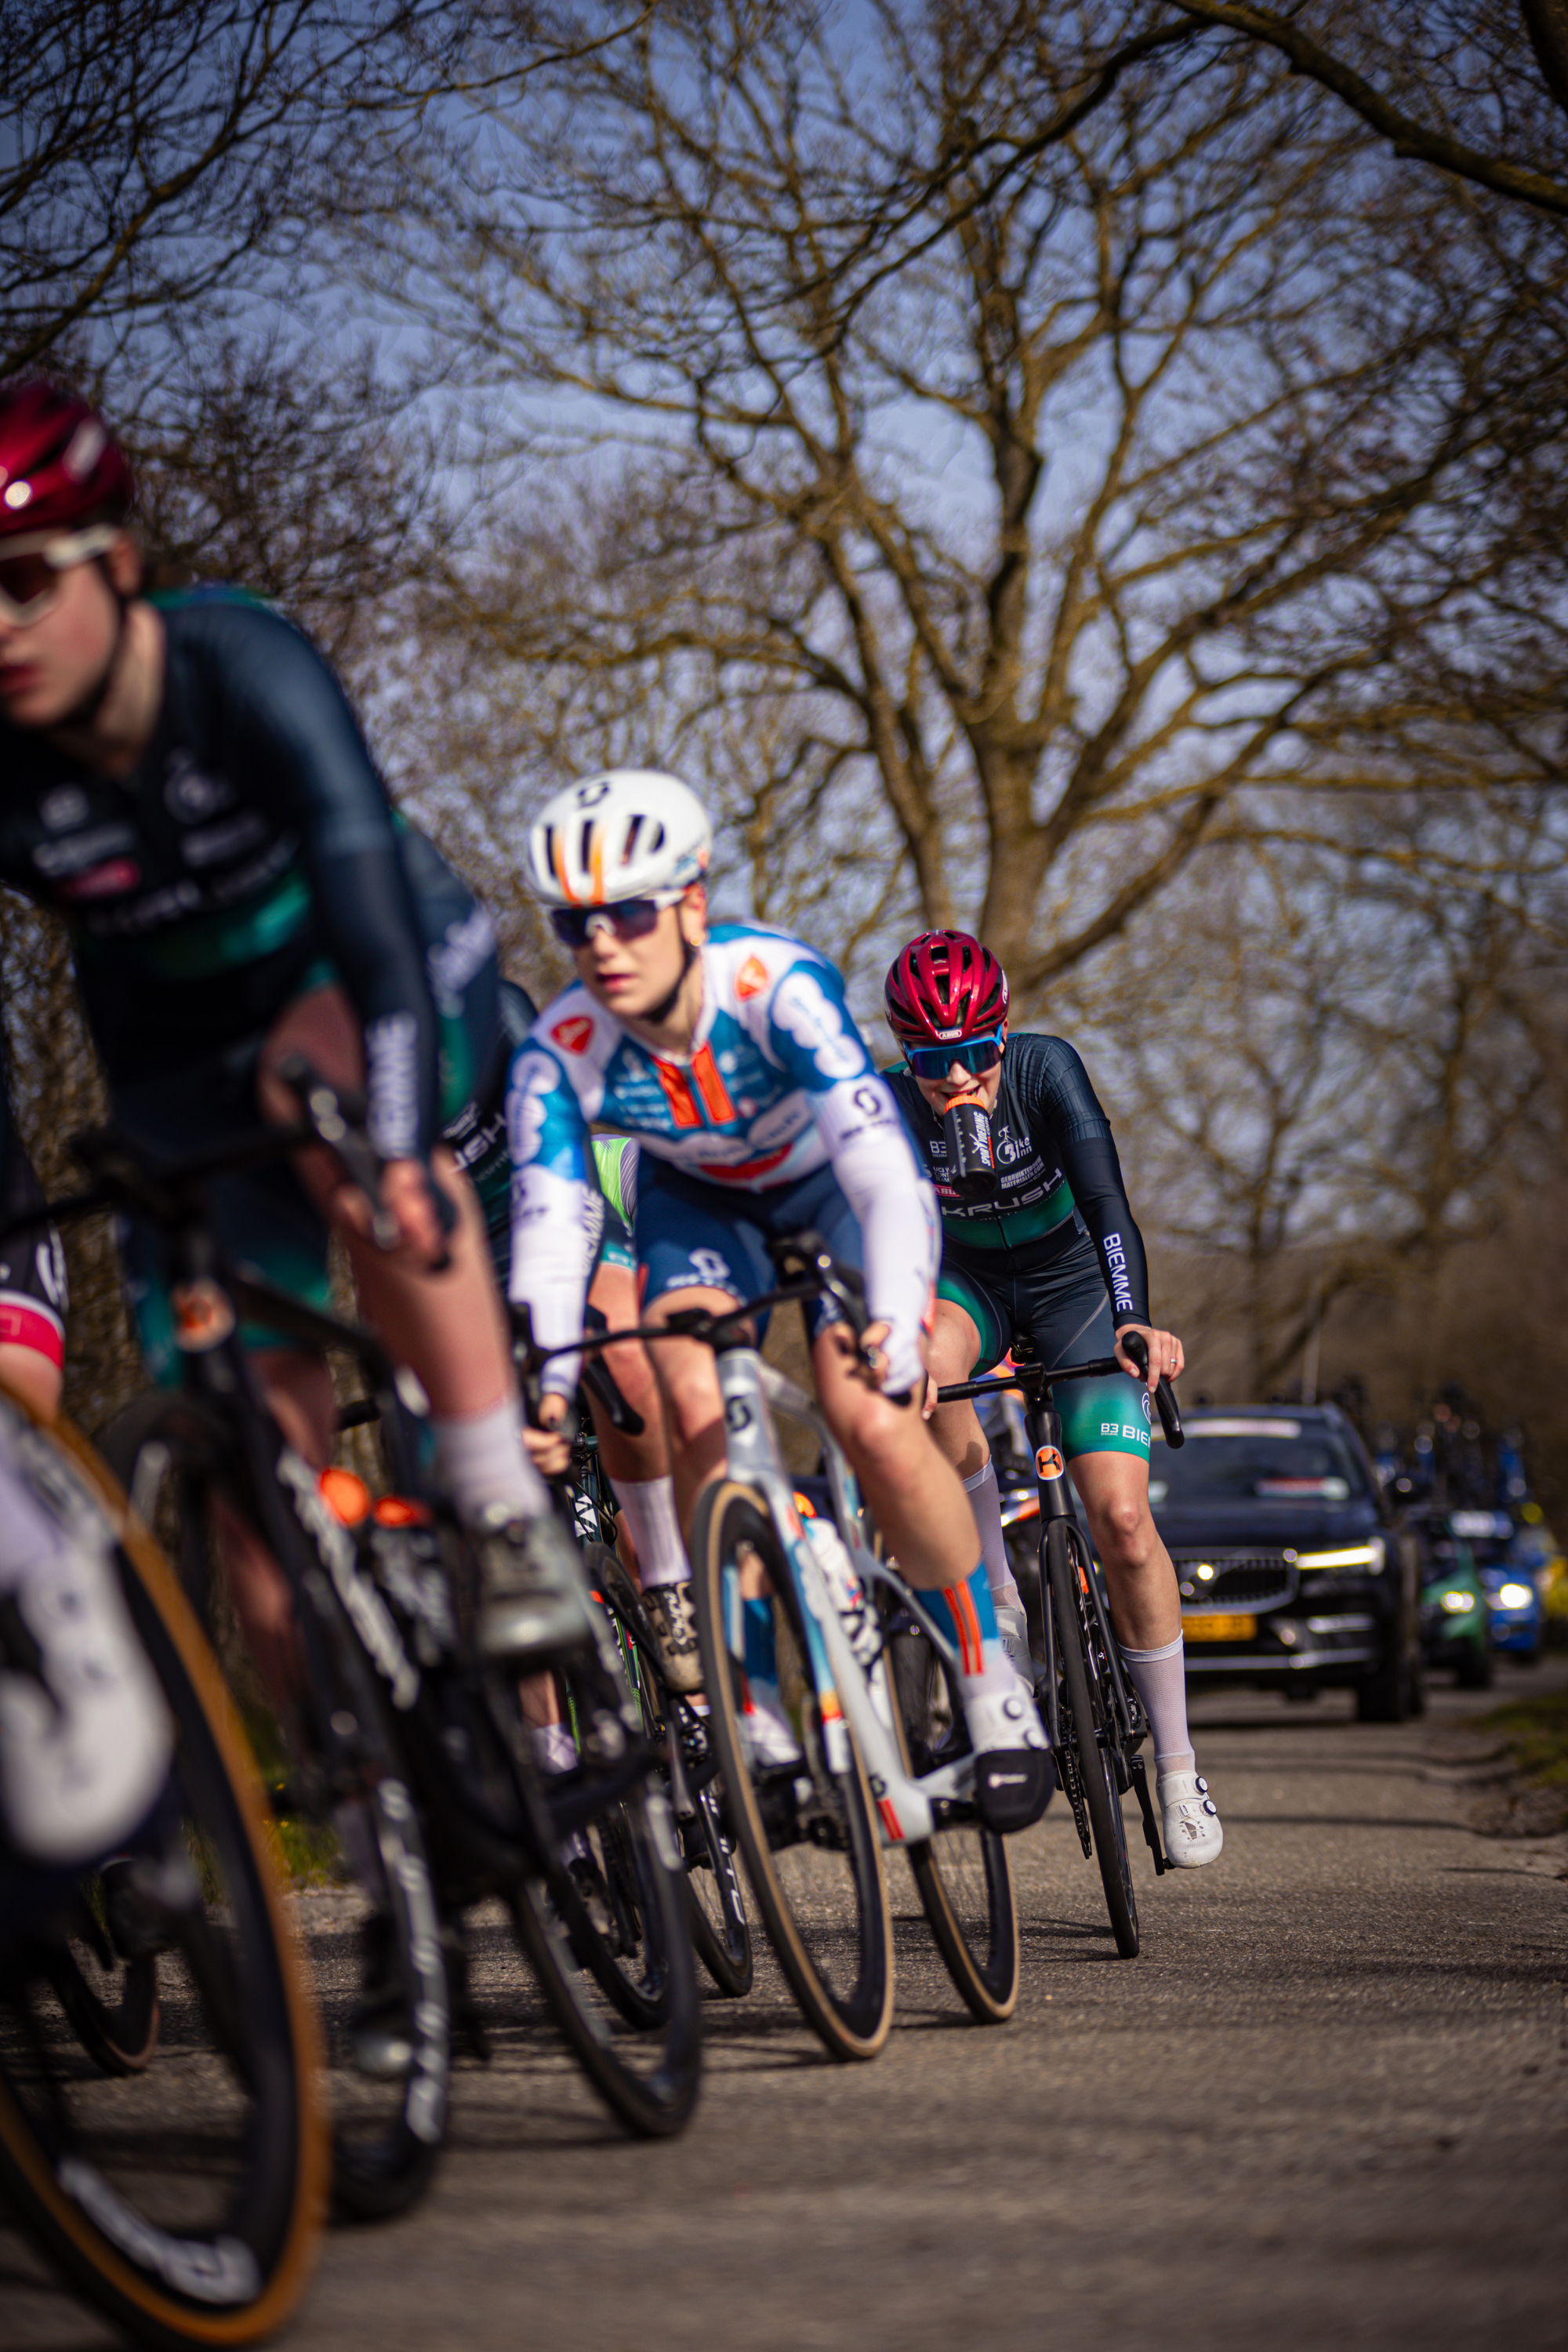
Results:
<point x="845" y="1691"/>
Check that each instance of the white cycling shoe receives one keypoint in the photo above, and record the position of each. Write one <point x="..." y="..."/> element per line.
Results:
<point x="85" y="1738"/>
<point x="1012" y="1773"/>
<point x="1189" y="1819"/>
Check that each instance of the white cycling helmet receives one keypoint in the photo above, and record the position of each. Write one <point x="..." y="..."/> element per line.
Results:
<point x="630" y="833"/>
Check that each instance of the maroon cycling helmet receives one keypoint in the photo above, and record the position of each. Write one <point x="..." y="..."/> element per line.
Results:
<point x="945" y="987"/>
<point x="61" y="467"/>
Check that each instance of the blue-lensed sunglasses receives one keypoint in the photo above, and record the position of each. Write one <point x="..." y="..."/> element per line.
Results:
<point x="973" y="1054"/>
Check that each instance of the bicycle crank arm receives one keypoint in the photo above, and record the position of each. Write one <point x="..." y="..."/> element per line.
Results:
<point x="1140" y="1772"/>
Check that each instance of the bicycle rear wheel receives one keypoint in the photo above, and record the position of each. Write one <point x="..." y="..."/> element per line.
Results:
<point x="962" y="1872"/>
<point x="181" y="2197"/>
<point x="807" y="1830"/>
<point x="1091" y="1719"/>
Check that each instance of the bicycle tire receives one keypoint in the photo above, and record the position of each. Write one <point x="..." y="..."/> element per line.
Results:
<point x="720" y="1931"/>
<point x="611" y="1935"/>
<point x="80" y="2162"/>
<point x="962" y="1873"/>
<point x="800" y="1888"/>
<point x="1089" y="1716"/>
<point x="647" y="2076"/>
<point x="171" y="1453"/>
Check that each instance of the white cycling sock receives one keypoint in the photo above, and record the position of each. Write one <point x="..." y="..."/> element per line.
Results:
<point x="1160" y="1679"/>
<point x="985" y="1502"/>
<point x="647" y="1506"/>
<point x="483" y="1461"/>
<point x="554" y="1749"/>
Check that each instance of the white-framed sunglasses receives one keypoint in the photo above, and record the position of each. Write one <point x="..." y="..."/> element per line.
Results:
<point x="31" y="563"/>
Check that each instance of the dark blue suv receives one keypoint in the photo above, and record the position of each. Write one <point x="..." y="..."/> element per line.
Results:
<point x="1294" y="1570"/>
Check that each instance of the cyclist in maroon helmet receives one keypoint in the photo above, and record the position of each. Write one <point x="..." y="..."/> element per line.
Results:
<point x="1041" y="1244"/>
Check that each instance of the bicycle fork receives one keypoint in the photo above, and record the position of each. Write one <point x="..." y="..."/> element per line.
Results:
<point x="1043" y="1430"/>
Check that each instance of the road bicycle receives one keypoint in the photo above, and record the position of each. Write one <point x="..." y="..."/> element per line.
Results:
<point x="401" y="1744"/>
<point x="871" y="1683"/>
<point x="1093" y="1717"/>
<point x="720" y="1928"/>
<point x="162" y="2134"/>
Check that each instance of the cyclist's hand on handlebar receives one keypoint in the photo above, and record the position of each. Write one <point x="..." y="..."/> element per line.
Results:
<point x="407" y="1200"/>
<point x="1167" y="1357"/>
<point x="868" y="1354"/>
<point x="549" y="1451"/>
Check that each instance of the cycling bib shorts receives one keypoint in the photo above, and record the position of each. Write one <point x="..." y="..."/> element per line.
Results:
<point x="691" y="1235"/>
<point x="1063" y="1309"/>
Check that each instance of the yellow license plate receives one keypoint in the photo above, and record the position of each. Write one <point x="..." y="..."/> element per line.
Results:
<point x="1218" y="1629"/>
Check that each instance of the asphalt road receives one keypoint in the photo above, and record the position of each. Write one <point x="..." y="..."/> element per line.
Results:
<point x="1325" y="2107"/>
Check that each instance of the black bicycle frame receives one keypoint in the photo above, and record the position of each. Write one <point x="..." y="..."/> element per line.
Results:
<point x="1043" y="1424"/>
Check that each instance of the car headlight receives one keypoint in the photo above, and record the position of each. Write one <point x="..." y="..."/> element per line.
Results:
<point x="1513" y="1596"/>
<point x="1458" y="1604"/>
<point x="1368" y="1557"/>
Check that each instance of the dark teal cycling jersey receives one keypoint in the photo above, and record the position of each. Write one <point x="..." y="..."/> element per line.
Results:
<point x="251" y="852"/>
<point x="1057" y="1176"/>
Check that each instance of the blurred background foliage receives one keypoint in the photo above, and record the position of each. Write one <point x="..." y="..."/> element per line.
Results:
<point x="1055" y="470"/>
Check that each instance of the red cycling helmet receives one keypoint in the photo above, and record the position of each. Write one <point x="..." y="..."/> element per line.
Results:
<point x="60" y="464"/>
<point x="943" y="988"/>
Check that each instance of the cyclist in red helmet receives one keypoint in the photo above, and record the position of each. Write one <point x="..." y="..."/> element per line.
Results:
<point x="1043" y="1245"/>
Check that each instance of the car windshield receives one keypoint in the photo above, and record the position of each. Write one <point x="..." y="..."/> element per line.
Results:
<point x="1257" y="1462"/>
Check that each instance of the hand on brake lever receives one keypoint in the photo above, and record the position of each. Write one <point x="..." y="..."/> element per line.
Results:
<point x="547" y="1450"/>
<point x="405" y="1200"/>
<point x="1166" y="1355"/>
<point x="867" y="1355"/>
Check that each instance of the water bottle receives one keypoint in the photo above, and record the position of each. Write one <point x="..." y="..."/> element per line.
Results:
<point x="971" y="1161"/>
<point x="844" y="1588"/>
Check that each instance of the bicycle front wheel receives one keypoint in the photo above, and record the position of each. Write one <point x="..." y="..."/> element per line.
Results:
<point x="807" y="1829"/>
<point x="1090" y="1721"/>
<point x="720" y="1930"/>
<point x="962" y="1872"/>
<point x="616" y="1968"/>
<point x="183" y="2196"/>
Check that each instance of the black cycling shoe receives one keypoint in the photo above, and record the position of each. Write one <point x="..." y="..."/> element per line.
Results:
<point x="1013" y="1786"/>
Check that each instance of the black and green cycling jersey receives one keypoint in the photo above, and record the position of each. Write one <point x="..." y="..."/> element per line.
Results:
<point x="1052" y="1254"/>
<point x="251" y="856"/>
<point x="1057" y="1175"/>
<point x="251" y="852"/>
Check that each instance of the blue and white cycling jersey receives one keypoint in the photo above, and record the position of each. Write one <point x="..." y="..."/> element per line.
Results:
<point x="778" y="1085"/>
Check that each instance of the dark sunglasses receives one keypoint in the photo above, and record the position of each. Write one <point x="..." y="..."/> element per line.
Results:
<point x="972" y="1054"/>
<point x="629" y="919"/>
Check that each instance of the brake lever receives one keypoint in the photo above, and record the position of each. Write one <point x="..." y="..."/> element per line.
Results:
<point x="334" y="1117"/>
<point x="530" y="1375"/>
<point x="1163" y="1392"/>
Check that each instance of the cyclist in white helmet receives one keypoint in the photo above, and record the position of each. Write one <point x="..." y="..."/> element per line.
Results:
<point x="728" y="1054"/>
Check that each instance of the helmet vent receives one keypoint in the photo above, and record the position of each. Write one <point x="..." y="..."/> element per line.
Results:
<point x="86" y="446"/>
<point x="585" y="849"/>
<point x="632" y="832"/>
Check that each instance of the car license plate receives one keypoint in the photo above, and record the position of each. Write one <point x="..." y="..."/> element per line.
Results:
<point x="1206" y="1628"/>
